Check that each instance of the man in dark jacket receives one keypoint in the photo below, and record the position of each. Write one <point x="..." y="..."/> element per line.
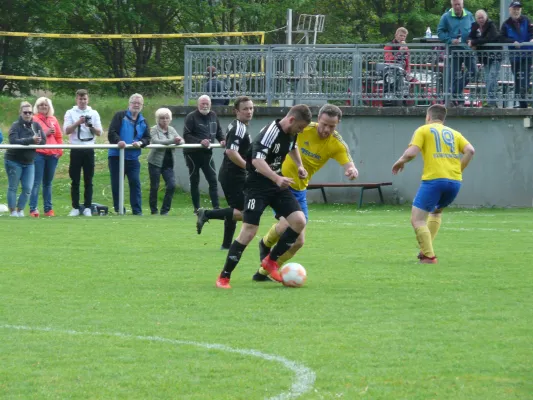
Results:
<point x="518" y="29"/>
<point x="202" y="127"/>
<point x="128" y="127"/>
<point x="19" y="164"/>
<point x="485" y="31"/>
<point x="214" y="87"/>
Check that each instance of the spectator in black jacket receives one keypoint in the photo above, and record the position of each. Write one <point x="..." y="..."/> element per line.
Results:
<point x="19" y="163"/>
<point x="202" y="127"/>
<point x="215" y="87"/>
<point x="128" y="127"/>
<point x="485" y="31"/>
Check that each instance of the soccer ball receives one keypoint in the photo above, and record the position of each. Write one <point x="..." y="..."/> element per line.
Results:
<point x="293" y="274"/>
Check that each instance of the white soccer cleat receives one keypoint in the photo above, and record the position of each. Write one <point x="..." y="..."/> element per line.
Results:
<point x="74" y="212"/>
<point x="87" y="212"/>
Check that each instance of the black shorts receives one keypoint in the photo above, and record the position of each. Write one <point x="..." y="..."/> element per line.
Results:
<point x="233" y="188"/>
<point x="256" y="199"/>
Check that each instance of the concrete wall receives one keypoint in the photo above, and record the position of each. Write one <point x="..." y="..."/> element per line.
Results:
<point x="501" y="173"/>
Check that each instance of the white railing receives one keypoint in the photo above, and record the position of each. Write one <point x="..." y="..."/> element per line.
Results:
<point x="108" y="146"/>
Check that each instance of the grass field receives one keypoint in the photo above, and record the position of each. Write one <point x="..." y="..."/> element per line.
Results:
<point x="126" y="308"/>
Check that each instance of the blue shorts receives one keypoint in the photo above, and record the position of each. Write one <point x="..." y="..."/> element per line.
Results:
<point x="301" y="197"/>
<point x="436" y="194"/>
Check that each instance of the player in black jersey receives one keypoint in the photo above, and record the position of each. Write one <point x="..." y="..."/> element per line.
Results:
<point x="266" y="187"/>
<point x="232" y="173"/>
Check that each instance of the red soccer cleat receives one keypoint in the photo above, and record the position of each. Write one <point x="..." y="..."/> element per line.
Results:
<point x="50" y="213"/>
<point x="427" y="260"/>
<point x="34" y="213"/>
<point x="223" y="283"/>
<point x="272" y="267"/>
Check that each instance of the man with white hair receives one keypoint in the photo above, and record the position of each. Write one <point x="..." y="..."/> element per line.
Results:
<point x="128" y="127"/>
<point x="202" y="127"/>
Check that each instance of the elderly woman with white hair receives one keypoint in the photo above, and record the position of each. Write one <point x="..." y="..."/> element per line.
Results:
<point x="45" y="159"/>
<point x="128" y="127"/>
<point x="161" y="161"/>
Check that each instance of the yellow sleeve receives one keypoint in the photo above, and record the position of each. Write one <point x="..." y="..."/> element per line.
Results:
<point x="461" y="142"/>
<point x="341" y="152"/>
<point x="418" y="138"/>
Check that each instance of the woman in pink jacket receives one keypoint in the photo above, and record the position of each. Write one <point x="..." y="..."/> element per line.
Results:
<point x="45" y="159"/>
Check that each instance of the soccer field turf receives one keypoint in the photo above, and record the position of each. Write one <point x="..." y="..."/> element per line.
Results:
<point x="126" y="307"/>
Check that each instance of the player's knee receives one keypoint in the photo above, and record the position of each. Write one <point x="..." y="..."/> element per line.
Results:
<point x="297" y="222"/>
<point x="247" y="234"/>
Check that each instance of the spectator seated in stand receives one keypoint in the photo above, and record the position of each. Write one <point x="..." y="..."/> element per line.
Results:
<point x="213" y="87"/>
<point x="396" y="52"/>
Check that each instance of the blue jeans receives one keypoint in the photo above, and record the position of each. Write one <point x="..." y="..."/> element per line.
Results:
<point x="45" y="169"/>
<point x="492" y="71"/>
<point x="132" y="169"/>
<point x="18" y="172"/>
<point x="461" y="77"/>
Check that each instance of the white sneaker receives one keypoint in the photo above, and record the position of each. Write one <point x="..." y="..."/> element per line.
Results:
<point x="87" y="212"/>
<point x="74" y="212"/>
<point x="14" y="214"/>
<point x="21" y="213"/>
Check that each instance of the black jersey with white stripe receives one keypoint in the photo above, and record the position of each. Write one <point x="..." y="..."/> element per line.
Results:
<point x="272" y="145"/>
<point x="237" y="138"/>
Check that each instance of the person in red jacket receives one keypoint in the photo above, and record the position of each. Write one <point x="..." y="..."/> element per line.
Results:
<point x="45" y="159"/>
<point x="396" y="52"/>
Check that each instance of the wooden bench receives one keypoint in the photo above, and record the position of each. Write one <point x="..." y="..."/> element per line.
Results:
<point x="363" y="186"/>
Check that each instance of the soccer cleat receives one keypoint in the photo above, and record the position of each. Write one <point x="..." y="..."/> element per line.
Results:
<point x="35" y="213"/>
<point x="272" y="267"/>
<point x="74" y="212"/>
<point x="258" y="277"/>
<point x="201" y="220"/>
<point x="263" y="250"/>
<point x="223" y="283"/>
<point x="87" y="212"/>
<point x="427" y="260"/>
<point x="224" y="248"/>
<point x="50" y="213"/>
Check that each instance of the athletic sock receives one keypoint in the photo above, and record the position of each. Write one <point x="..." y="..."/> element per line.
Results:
<point x="229" y="230"/>
<point x="434" y="225"/>
<point x="424" y="240"/>
<point x="234" y="255"/>
<point x="219" y="213"/>
<point x="272" y="237"/>
<point x="286" y="256"/>
<point x="285" y="243"/>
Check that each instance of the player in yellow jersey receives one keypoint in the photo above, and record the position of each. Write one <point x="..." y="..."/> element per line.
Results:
<point x="317" y="143"/>
<point x="446" y="154"/>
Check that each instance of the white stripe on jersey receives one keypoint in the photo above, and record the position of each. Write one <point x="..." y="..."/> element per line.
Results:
<point x="234" y="147"/>
<point x="241" y="129"/>
<point x="271" y="134"/>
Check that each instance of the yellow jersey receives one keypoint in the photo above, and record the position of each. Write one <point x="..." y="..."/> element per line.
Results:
<point x="441" y="149"/>
<point x="315" y="153"/>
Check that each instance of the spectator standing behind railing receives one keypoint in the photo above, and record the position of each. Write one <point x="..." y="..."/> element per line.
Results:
<point x="518" y="29"/>
<point x="213" y="87"/>
<point x="128" y="127"/>
<point x="161" y="161"/>
<point x="485" y="31"/>
<point x="19" y="163"/>
<point x="45" y="159"/>
<point x="202" y="127"/>
<point x="82" y="124"/>
<point x="454" y="28"/>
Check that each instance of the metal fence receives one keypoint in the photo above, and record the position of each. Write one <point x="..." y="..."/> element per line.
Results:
<point x="369" y="75"/>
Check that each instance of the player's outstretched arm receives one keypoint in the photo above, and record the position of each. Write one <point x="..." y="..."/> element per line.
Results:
<point x="408" y="155"/>
<point x="468" y="154"/>
<point x="350" y="171"/>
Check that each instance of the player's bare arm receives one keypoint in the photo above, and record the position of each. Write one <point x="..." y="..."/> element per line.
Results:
<point x="236" y="158"/>
<point x="295" y="155"/>
<point x="408" y="155"/>
<point x="350" y="171"/>
<point x="468" y="154"/>
<point x="262" y="167"/>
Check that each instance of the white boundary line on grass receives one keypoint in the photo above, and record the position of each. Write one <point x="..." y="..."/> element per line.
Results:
<point x="305" y="377"/>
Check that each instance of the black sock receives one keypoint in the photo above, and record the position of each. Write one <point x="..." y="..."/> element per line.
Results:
<point x="219" y="213"/>
<point x="234" y="255"/>
<point x="285" y="242"/>
<point x="229" y="230"/>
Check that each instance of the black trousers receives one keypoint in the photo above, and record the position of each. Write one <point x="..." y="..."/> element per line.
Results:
<point x="202" y="160"/>
<point x="81" y="159"/>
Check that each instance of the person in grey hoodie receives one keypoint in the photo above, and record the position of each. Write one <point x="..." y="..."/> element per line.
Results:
<point x="454" y="29"/>
<point x="82" y="124"/>
<point x="161" y="161"/>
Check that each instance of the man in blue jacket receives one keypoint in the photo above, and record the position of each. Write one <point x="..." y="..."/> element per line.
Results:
<point x="454" y="28"/>
<point x="518" y="29"/>
<point x="128" y="127"/>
